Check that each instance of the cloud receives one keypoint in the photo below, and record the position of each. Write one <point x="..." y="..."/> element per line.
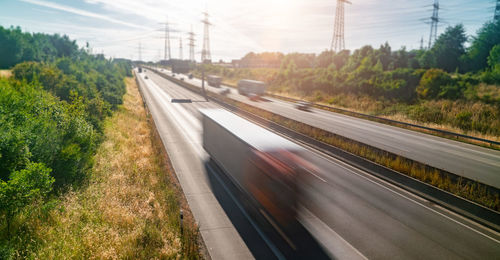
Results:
<point x="82" y="13"/>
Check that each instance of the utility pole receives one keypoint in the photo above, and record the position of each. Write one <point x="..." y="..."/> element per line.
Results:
<point x="205" y="53"/>
<point x="180" y="48"/>
<point x="191" y="45"/>
<point x="422" y="43"/>
<point x="434" y="23"/>
<point x="338" y="41"/>
<point x="496" y="17"/>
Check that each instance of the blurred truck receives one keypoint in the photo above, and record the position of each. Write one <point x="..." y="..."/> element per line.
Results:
<point x="247" y="87"/>
<point x="263" y="166"/>
<point x="180" y="66"/>
<point x="214" y="80"/>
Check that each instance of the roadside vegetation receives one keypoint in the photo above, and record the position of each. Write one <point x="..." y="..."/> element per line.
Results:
<point x="128" y="208"/>
<point x="80" y="176"/>
<point x="448" y="86"/>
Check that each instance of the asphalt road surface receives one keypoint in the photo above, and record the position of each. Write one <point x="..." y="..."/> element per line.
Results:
<point x="470" y="161"/>
<point x="353" y="215"/>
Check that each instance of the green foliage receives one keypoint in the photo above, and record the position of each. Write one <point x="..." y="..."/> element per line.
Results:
<point x="449" y="47"/>
<point x="487" y="37"/>
<point x="17" y="47"/>
<point x="494" y="58"/>
<point x="24" y="186"/>
<point x="432" y="83"/>
<point x="51" y="116"/>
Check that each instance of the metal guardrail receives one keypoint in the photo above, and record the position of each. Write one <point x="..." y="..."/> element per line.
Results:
<point x="448" y="200"/>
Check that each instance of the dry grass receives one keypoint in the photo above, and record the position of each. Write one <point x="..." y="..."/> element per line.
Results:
<point x="130" y="207"/>
<point x="5" y="73"/>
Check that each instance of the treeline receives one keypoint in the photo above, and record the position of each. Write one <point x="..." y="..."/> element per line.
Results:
<point x="51" y="119"/>
<point x="446" y="72"/>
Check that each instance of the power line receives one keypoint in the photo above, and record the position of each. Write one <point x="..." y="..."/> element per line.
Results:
<point x="338" y="41"/>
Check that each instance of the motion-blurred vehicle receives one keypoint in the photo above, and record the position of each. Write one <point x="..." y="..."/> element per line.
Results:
<point x="146" y="77"/>
<point x="182" y="79"/>
<point x="261" y="164"/>
<point x="214" y="81"/>
<point x="303" y="105"/>
<point x="140" y="70"/>
<point x="247" y="87"/>
<point x="180" y="66"/>
<point x="190" y="76"/>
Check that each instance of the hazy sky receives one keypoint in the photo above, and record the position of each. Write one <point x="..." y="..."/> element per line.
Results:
<point x="115" y="27"/>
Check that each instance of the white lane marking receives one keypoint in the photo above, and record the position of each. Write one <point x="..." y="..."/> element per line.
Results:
<point x="333" y="242"/>
<point x="181" y="123"/>
<point x="412" y="200"/>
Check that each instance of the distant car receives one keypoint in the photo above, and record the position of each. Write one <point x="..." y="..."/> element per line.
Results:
<point x="173" y="75"/>
<point x="144" y="70"/>
<point x="303" y="105"/>
<point x="182" y="79"/>
<point x="190" y="76"/>
<point x="224" y="91"/>
<point x="146" y="77"/>
<point x="253" y="97"/>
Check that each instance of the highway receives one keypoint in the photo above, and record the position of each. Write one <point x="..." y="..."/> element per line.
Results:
<point x="470" y="161"/>
<point x="352" y="214"/>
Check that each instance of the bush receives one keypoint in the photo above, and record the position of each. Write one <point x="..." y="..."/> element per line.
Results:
<point x="23" y="187"/>
<point x="432" y="83"/>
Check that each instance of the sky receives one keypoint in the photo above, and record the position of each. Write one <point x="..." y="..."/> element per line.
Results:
<point x="116" y="28"/>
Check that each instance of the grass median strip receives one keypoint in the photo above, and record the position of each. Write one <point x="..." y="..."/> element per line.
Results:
<point x="128" y="209"/>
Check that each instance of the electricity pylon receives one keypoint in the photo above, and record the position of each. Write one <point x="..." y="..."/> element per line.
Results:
<point x="338" y="41"/>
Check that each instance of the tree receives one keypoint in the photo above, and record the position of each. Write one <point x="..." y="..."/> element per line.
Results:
<point x="487" y="37"/>
<point x="384" y="55"/>
<point x="449" y="47"/>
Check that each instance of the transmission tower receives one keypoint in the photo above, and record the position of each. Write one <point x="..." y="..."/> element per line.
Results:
<point x="191" y="44"/>
<point x="497" y="11"/>
<point x="180" y="48"/>
<point x="140" y="52"/>
<point x="434" y="23"/>
<point x="205" y="52"/>
<point x="167" y="55"/>
<point x="338" y="41"/>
